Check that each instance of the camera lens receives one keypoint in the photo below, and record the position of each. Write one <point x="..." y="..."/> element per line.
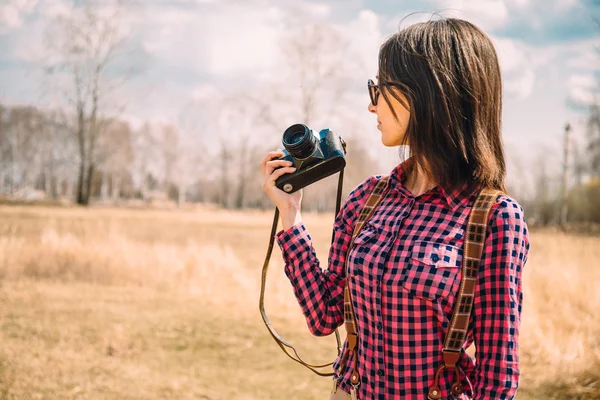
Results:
<point x="299" y="141"/>
<point x="296" y="137"/>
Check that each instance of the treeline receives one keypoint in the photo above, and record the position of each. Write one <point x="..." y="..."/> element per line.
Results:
<point x="40" y="159"/>
<point x="548" y="200"/>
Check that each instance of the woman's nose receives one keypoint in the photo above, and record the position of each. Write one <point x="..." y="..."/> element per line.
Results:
<point x="372" y="108"/>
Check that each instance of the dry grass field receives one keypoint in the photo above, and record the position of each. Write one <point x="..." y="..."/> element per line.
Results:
<point x="152" y="304"/>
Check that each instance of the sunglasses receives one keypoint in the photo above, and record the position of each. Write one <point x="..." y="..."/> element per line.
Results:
<point x="373" y="91"/>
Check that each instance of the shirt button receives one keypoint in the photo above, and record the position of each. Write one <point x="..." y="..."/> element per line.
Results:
<point x="380" y="372"/>
<point x="379" y="326"/>
<point x="435" y="257"/>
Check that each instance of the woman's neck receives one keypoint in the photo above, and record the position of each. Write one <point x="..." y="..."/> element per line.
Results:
<point x="417" y="181"/>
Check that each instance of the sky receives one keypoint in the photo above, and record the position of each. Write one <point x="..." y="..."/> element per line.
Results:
<point x="548" y="51"/>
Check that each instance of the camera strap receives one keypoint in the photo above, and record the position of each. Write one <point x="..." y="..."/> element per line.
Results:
<point x="287" y="348"/>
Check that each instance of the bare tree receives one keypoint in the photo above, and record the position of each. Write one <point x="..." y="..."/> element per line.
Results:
<point x="169" y="147"/>
<point x="255" y="118"/>
<point x="319" y="60"/>
<point x="593" y="140"/>
<point x="83" y="45"/>
<point x="593" y="124"/>
<point x="146" y="146"/>
<point x="320" y="65"/>
<point x="35" y="151"/>
<point x="180" y="160"/>
<point x="20" y="147"/>
<point x="114" y="156"/>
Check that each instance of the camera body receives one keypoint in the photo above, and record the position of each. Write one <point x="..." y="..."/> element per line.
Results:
<point x="315" y="156"/>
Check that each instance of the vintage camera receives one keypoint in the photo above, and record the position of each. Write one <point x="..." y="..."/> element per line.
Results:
<point x="315" y="156"/>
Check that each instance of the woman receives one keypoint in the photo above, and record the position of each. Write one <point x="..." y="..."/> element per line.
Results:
<point x="439" y="93"/>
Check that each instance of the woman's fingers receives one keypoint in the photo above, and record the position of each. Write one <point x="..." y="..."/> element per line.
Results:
<point x="269" y="157"/>
<point x="270" y="181"/>
<point x="271" y="165"/>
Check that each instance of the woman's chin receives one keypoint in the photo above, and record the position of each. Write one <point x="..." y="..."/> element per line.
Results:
<point x="389" y="143"/>
<point x="384" y="140"/>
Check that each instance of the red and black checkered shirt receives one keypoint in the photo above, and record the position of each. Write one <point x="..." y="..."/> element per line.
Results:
<point x="404" y="276"/>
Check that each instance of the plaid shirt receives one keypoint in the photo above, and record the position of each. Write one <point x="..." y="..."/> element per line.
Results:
<point x="404" y="276"/>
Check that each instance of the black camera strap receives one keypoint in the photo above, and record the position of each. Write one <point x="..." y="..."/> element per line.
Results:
<point x="287" y="348"/>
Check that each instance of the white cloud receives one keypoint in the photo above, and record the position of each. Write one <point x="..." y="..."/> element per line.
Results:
<point x="243" y="39"/>
<point x="175" y="38"/>
<point x="518" y="63"/>
<point x="401" y="21"/>
<point x="512" y="54"/>
<point x="564" y="5"/>
<point x="9" y="17"/>
<point x="364" y="37"/>
<point x="521" y="85"/>
<point x="487" y="14"/>
<point x="11" y="14"/>
<point x="582" y="97"/>
<point x="225" y="39"/>
<point x="589" y="58"/>
<point x="519" y="3"/>
<point x="583" y="81"/>
<point x="207" y="91"/>
<point x="321" y="10"/>
<point x="52" y="9"/>
<point x="583" y="89"/>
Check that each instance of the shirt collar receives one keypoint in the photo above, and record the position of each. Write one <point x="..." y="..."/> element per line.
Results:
<point x="453" y="197"/>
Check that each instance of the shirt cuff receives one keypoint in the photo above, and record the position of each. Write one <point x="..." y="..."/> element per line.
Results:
<point x="290" y="236"/>
<point x="295" y="243"/>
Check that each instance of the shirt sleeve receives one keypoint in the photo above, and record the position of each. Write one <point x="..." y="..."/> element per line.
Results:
<point x="498" y="301"/>
<point x="320" y="293"/>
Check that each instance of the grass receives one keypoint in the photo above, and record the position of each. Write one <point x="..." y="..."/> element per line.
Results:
<point x="153" y="304"/>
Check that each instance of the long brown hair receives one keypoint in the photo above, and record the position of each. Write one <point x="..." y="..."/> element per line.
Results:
<point x="449" y="72"/>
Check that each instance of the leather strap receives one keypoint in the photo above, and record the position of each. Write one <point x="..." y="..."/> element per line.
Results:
<point x="367" y="210"/>
<point x="287" y="348"/>
<point x="463" y="305"/>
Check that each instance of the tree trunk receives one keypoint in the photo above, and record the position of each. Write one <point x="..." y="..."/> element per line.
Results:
<point x="47" y="185"/>
<point x="224" y="176"/>
<point x="181" y="195"/>
<point x="81" y="197"/>
<point x="116" y="187"/>
<point x="81" y="183"/>
<point x="242" y="176"/>
<point x="88" y="189"/>
<point x="103" y="186"/>
<point x="56" y="188"/>
<point x="239" y="200"/>
<point x="69" y="189"/>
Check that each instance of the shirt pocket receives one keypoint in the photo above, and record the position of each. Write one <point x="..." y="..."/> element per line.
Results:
<point x="433" y="270"/>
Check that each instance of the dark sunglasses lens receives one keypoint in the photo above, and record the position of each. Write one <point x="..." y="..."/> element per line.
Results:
<point x="373" y="94"/>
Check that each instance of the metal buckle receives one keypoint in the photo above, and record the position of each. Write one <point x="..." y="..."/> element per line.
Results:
<point x="353" y="395"/>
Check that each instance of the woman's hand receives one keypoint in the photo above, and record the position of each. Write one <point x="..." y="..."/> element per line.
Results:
<point x="285" y="202"/>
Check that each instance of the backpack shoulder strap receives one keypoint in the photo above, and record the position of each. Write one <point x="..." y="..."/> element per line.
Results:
<point x="463" y="304"/>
